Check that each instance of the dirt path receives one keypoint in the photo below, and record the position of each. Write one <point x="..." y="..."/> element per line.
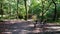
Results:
<point x="24" y="27"/>
<point x="16" y="28"/>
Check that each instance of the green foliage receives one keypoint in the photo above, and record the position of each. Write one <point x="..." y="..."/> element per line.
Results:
<point x="34" y="7"/>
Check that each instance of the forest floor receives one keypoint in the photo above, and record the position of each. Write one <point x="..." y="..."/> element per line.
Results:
<point x="27" y="27"/>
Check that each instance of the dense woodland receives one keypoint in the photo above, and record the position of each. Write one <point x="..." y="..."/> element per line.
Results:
<point x="48" y="10"/>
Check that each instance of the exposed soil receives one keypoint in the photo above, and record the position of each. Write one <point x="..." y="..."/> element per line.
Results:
<point x="27" y="27"/>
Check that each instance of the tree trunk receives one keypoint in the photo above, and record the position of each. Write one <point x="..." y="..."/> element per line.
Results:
<point x="17" y="8"/>
<point x="26" y="9"/>
<point x="1" y="10"/>
<point x="9" y="10"/>
<point x="42" y="10"/>
<point x="55" y="11"/>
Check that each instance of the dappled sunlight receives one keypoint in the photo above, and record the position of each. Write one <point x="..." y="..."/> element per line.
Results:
<point x="28" y="27"/>
<point x="25" y="31"/>
<point x="31" y="25"/>
<point x="52" y="27"/>
<point x="14" y="30"/>
<point x="36" y="31"/>
<point x="6" y="32"/>
<point x="29" y="16"/>
<point x="13" y="21"/>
